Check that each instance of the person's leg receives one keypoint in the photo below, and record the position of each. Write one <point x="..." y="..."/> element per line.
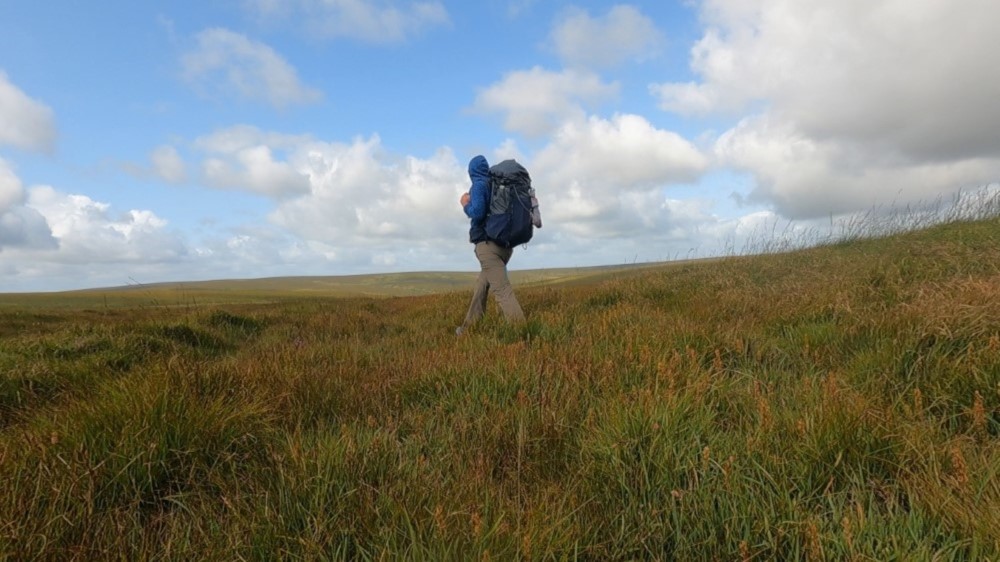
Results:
<point x="477" y="306"/>
<point x="493" y="259"/>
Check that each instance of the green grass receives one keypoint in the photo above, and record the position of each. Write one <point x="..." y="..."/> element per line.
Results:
<point x="199" y="294"/>
<point x="834" y="403"/>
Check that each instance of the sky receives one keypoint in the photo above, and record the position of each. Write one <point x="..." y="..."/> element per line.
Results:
<point x="145" y="142"/>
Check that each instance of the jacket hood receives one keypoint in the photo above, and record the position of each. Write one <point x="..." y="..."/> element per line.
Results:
<point x="479" y="168"/>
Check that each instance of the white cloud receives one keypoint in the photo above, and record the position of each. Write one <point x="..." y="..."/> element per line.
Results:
<point x="23" y="227"/>
<point x="244" y="158"/>
<point x="507" y="149"/>
<point x="602" y="177"/>
<point x="885" y="74"/>
<point x="537" y="101"/>
<point x="516" y="8"/>
<point x="861" y="103"/>
<point x="88" y="233"/>
<point x="362" y="197"/>
<point x="254" y="169"/>
<point x="623" y="33"/>
<point x="372" y="21"/>
<point x="20" y="226"/>
<point x="52" y="240"/>
<point x="649" y="227"/>
<point x="11" y="190"/>
<point x="612" y="171"/>
<point x="239" y="137"/>
<point x="607" y="176"/>
<point x="624" y="152"/>
<point x="228" y="63"/>
<point x="805" y="177"/>
<point x="45" y="232"/>
<point x="24" y="122"/>
<point x="167" y="164"/>
<point x="343" y="195"/>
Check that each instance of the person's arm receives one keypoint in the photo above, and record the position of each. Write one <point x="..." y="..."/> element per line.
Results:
<point x="478" y="200"/>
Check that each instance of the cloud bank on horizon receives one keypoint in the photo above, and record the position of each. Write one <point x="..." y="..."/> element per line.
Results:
<point x="171" y="142"/>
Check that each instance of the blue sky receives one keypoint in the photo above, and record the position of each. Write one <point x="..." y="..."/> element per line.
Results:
<point x="168" y="141"/>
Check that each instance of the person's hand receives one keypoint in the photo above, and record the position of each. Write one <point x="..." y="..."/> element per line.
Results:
<point x="465" y="199"/>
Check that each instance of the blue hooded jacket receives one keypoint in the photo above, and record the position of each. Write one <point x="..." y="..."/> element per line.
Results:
<point x="479" y="198"/>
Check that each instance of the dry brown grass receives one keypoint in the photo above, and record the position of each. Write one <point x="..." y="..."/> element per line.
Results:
<point x="835" y="403"/>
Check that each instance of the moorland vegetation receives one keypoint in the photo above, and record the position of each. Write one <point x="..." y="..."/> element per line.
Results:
<point x="838" y="402"/>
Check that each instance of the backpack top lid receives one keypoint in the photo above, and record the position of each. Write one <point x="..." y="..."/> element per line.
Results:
<point x="512" y="173"/>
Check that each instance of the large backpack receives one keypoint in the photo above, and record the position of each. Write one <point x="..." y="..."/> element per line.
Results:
<point x="508" y="222"/>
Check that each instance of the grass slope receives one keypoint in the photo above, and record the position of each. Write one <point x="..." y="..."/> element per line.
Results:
<point x="274" y="289"/>
<point x="836" y="403"/>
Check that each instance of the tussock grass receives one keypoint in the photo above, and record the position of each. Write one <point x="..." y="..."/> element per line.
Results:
<point x="840" y="402"/>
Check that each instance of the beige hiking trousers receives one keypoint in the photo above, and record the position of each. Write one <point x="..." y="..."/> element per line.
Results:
<point x="493" y="260"/>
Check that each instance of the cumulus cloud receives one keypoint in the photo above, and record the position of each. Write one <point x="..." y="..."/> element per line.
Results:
<point x="51" y="237"/>
<point x="89" y="233"/>
<point x="20" y="226"/>
<point x="895" y="101"/>
<point x="359" y="195"/>
<point x="650" y="227"/>
<point x="167" y="164"/>
<point x="344" y="195"/>
<point x="623" y="33"/>
<point x="229" y="64"/>
<point x="805" y="177"/>
<point x="885" y="74"/>
<point x="517" y="7"/>
<point x="244" y="158"/>
<point x="89" y="244"/>
<point x="535" y="102"/>
<point x="624" y="152"/>
<point x="11" y="190"/>
<point x="256" y="170"/>
<point x="608" y="173"/>
<point x="24" y="228"/>
<point x="372" y="21"/>
<point x="236" y="138"/>
<point x="24" y="122"/>
<point x="603" y="178"/>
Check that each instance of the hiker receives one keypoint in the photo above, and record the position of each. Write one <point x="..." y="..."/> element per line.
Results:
<point x="493" y="256"/>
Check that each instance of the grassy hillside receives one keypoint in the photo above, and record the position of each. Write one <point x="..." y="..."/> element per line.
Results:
<point x="275" y="289"/>
<point x="836" y="403"/>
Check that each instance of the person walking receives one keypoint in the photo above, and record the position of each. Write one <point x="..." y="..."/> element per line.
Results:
<point x="493" y="257"/>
